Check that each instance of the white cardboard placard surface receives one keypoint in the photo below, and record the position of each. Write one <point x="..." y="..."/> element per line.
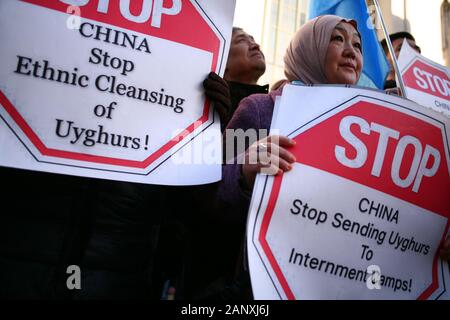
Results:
<point x="102" y="91"/>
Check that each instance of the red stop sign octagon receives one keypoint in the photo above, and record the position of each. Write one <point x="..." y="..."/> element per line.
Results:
<point x="402" y="153"/>
<point x="190" y="26"/>
<point x="426" y="78"/>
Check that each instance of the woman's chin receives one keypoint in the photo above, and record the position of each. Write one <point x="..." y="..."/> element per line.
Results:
<point x="349" y="80"/>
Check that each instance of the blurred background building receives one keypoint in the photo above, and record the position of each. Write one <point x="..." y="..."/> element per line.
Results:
<point x="274" y="22"/>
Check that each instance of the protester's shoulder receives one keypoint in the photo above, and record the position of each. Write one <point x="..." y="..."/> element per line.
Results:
<point x="255" y="111"/>
<point x="247" y="113"/>
<point x="258" y="100"/>
<point x="254" y="104"/>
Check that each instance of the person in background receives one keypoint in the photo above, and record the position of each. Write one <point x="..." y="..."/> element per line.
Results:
<point x="197" y="250"/>
<point x="245" y="65"/>
<point x="397" y="42"/>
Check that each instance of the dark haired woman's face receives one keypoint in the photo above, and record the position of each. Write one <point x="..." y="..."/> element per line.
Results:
<point x="343" y="62"/>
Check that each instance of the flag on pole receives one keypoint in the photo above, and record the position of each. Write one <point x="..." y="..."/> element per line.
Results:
<point x="376" y="66"/>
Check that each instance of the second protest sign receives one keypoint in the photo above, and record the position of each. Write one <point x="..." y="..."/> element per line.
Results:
<point x="109" y="89"/>
<point x="363" y="211"/>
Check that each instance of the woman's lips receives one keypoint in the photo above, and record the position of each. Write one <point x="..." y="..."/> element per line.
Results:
<point x="349" y="66"/>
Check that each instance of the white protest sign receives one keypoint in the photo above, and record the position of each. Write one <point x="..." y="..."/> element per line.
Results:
<point x="112" y="89"/>
<point x="426" y="82"/>
<point x="363" y="211"/>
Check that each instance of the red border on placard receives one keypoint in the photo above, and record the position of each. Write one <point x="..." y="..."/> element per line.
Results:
<point x="262" y="238"/>
<point x="263" y="233"/>
<point x="267" y="217"/>
<point x="180" y="28"/>
<point x="410" y="79"/>
<point x="170" y="34"/>
<point x="45" y="151"/>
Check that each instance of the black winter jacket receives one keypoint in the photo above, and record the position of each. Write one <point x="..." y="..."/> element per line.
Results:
<point x="49" y="222"/>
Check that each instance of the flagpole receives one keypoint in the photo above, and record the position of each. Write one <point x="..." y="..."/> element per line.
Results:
<point x="398" y="77"/>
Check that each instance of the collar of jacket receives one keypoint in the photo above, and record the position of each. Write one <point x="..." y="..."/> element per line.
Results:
<point x="239" y="91"/>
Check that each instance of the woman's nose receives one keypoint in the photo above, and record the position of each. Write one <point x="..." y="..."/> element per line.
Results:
<point x="349" y="51"/>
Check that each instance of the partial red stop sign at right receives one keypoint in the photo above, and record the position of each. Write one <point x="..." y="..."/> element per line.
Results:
<point x="426" y="82"/>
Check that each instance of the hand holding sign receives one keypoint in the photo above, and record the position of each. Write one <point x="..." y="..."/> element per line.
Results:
<point x="218" y="91"/>
<point x="269" y="156"/>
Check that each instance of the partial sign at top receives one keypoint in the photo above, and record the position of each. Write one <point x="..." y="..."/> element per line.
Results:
<point x="112" y="89"/>
<point x="426" y="82"/>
